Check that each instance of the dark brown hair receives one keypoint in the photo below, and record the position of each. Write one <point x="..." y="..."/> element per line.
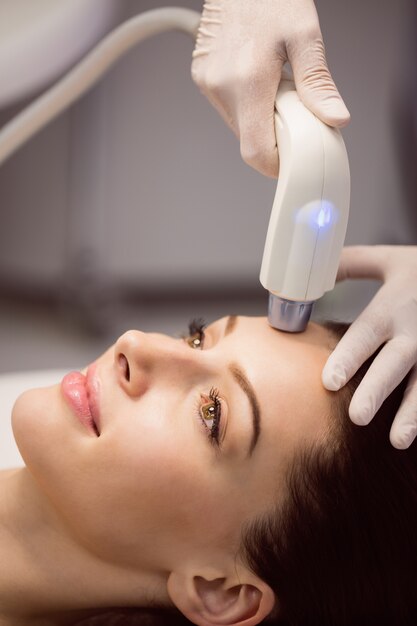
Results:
<point x="342" y="550"/>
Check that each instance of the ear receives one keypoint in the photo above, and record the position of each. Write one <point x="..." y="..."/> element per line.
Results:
<point x="211" y="601"/>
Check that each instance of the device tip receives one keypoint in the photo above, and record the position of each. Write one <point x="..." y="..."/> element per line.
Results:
<point x="288" y="315"/>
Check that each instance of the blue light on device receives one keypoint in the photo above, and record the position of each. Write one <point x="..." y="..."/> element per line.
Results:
<point x="318" y="213"/>
<point x="325" y="215"/>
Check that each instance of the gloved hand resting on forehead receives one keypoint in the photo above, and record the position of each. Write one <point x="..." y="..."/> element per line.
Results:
<point x="241" y="48"/>
<point x="390" y="318"/>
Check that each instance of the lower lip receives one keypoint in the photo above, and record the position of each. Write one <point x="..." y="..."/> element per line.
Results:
<point x="74" y="389"/>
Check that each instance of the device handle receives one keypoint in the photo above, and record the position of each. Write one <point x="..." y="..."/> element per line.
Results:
<point x="310" y="211"/>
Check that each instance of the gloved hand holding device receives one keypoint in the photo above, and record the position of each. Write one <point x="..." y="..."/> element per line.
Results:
<point x="240" y="50"/>
<point x="390" y="318"/>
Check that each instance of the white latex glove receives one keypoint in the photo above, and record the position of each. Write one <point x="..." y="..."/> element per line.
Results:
<point x="390" y="317"/>
<point x="240" y="50"/>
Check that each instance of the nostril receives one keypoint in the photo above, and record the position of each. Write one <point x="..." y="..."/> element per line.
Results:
<point x="124" y="365"/>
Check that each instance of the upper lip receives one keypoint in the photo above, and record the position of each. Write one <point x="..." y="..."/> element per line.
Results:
<point x="93" y="393"/>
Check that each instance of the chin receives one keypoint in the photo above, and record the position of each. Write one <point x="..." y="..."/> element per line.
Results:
<point x="33" y="424"/>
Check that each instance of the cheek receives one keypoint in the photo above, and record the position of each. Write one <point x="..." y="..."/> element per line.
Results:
<point x="147" y="475"/>
<point x="161" y="486"/>
<point x="166" y="477"/>
<point x="157" y="453"/>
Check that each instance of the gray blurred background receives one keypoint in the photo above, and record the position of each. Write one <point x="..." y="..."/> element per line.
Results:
<point x="134" y="209"/>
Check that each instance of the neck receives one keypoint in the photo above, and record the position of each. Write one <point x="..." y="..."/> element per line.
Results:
<point x="45" y="573"/>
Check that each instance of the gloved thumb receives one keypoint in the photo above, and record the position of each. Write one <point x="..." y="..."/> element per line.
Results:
<point x="361" y="262"/>
<point x="313" y="80"/>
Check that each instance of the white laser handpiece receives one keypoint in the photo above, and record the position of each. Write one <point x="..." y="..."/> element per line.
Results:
<point x="309" y="216"/>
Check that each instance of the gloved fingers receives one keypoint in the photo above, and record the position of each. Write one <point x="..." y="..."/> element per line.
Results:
<point x="404" y="428"/>
<point x="362" y="262"/>
<point x="369" y="331"/>
<point x="388" y="369"/>
<point x="258" y="146"/>
<point x="246" y="102"/>
<point x="213" y="88"/>
<point x="256" y="120"/>
<point x="313" y="80"/>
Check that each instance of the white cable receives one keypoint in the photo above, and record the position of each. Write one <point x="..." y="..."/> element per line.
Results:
<point x="88" y="71"/>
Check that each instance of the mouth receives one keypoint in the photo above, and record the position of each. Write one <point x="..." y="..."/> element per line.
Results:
<point x="82" y="394"/>
<point x="93" y="395"/>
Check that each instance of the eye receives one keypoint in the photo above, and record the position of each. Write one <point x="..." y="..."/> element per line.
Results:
<point x="210" y="414"/>
<point x="195" y="337"/>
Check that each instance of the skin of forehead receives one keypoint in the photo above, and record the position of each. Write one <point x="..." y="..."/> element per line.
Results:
<point x="311" y="349"/>
<point x="314" y="335"/>
<point x="285" y="371"/>
<point x="312" y="346"/>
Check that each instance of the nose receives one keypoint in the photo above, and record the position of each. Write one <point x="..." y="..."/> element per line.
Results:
<point x="142" y="359"/>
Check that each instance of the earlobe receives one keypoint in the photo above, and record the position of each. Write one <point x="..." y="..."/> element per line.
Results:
<point x="217" y="601"/>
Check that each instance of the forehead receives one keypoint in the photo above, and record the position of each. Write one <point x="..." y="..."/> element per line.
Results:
<point x="285" y="371"/>
<point x="315" y="343"/>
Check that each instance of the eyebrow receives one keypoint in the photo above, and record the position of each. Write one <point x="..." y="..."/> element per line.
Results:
<point x="244" y="383"/>
<point x="230" y="324"/>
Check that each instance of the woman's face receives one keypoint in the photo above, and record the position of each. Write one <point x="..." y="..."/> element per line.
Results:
<point x="195" y="438"/>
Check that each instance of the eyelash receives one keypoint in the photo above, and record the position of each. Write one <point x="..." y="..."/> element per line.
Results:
<point x="214" y="431"/>
<point x="196" y="330"/>
<point x="196" y="333"/>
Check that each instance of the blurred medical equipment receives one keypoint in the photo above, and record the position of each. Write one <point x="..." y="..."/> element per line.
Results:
<point x="40" y="40"/>
<point x="309" y="216"/>
<point x="86" y="73"/>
